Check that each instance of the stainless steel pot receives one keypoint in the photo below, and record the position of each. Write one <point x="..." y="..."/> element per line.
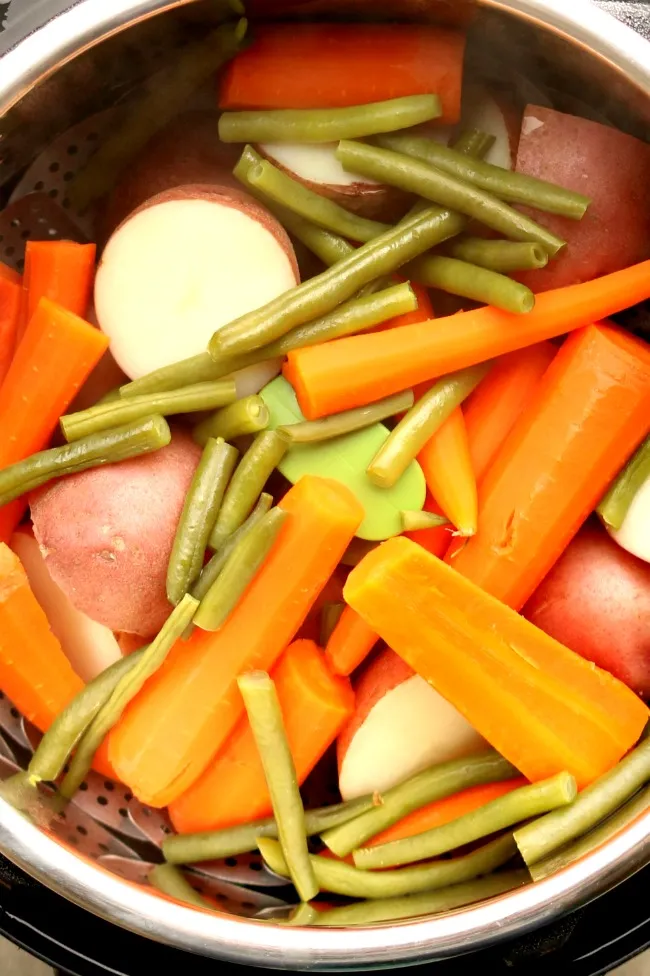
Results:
<point x="587" y="49"/>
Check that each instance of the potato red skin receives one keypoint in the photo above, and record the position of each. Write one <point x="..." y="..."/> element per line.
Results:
<point x="596" y="600"/>
<point x="107" y="535"/>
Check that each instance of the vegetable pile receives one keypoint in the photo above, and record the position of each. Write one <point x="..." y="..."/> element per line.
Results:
<point x="317" y="516"/>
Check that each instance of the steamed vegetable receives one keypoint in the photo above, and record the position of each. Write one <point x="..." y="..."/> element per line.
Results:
<point x="350" y="642"/>
<point x="10" y="299"/>
<point x="61" y="271"/>
<point x="447" y="465"/>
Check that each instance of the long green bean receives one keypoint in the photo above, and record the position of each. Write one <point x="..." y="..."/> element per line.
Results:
<point x="124" y="692"/>
<point x="434" y="783"/>
<point x="267" y="726"/>
<point x="247" y="416"/>
<point x="340" y="878"/>
<point x="349" y="420"/>
<point x="108" y="447"/>
<point x="616" y="503"/>
<point x="513" y="808"/>
<point x="212" y="569"/>
<point x="502" y="183"/>
<point x="173" y="883"/>
<point x="328" y="124"/>
<point x="187" y="372"/>
<point x="420" y="424"/>
<point x="198" y="517"/>
<point x="189" y="399"/>
<point x="195" y="848"/>
<point x="471" y="281"/>
<point x="417" y="521"/>
<point x="247" y="483"/>
<point x="501" y="256"/>
<point x="541" y="837"/>
<point x="240" y="569"/>
<point x="433" y="184"/>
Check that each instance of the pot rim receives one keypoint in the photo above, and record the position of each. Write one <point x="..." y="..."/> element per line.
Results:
<point x="255" y="943"/>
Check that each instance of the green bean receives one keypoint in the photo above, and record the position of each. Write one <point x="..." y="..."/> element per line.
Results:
<point x="340" y="878"/>
<point x="356" y="551"/>
<point x="471" y="281"/>
<point x="173" y="883"/>
<point x="302" y="915"/>
<point x="416" y="906"/>
<point x="416" y="177"/>
<point x="163" y="96"/>
<point x="267" y="726"/>
<point x="434" y="783"/>
<point x="616" y="503"/>
<point x="349" y="420"/>
<point x="502" y="183"/>
<point x="189" y="399"/>
<point x="328" y="124"/>
<point x="505" y="811"/>
<point x="124" y="692"/>
<point x="211" y="570"/>
<point x="188" y="372"/>
<point x="329" y="617"/>
<point x="473" y="142"/>
<point x="248" y="481"/>
<point x="501" y="256"/>
<point x="195" y="848"/>
<point x="68" y="727"/>
<point x="420" y="424"/>
<point x="326" y="291"/>
<point x="247" y="416"/>
<point x="540" y="838"/>
<point x="240" y="569"/>
<point x="639" y="804"/>
<point x="198" y="517"/>
<point x="418" y="521"/>
<point x="108" y="447"/>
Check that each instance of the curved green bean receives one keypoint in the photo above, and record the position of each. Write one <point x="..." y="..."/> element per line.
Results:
<point x="195" y="848"/>
<point x="540" y="838"/>
<point x="417" y="521"/>
<point x="302" y="915"/>
<point x="502" y="183"/>
<point x="616" y="503"/>
<point x="405" y="441"/>
<point x="349" y="420"/>
<point x="501" y="256"/>
<point x="124" y="692"/>
<point x="108" y="447"/>
<point x="471" y="281"/>
<point x="173" y="883"/>
<point x="212" y="569"/>
<point x="265" y="718"/>
<point x="198" y="517"/>
<point x="189" y="399"/>
<point x="247" y="416"/>
<point x="434" y="783"/>
<point x="328" y="124"/>
<point x="187" y="372"/>
<point x="433" y="184"/>
<point x="240" y="569"/>
<point x="521" y="804"/>
<point x="247" y="483"/>
<point x="340" y="878"/>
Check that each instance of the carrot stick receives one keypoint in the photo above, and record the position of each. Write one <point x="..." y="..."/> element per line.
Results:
<point x="8" y="274"/>
<point x="315" y="705"/>
<point x="542" y="706"/>
<point x="61" y="271"/>
<point x="337" y="65"/>
<point x="350" y="372"/>
<point x="447" y="466"/>
<point x="10" y="293"/>
<point x="350" y="643"/>
<point x="436" y="540"/>
<point x="591" y="410"/>
<point x="57" y="353"/>
<point x="185" y="713"/>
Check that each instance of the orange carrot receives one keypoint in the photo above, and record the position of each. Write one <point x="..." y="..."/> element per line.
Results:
<point x="350" y="643"/>
<point x="57" y="353"/>
<point x="185" y="713"/>
<point x="61" y="271"/>
<point x="423" y="313"/>
<point x="542" y="706"/>
<point x="436" y="540"/>
<point x="351" y="372"/>
<point x="447" y="467"/>
<point x="10" y="292"/>
<point x="337" y="65"/>
<point x="8" y="274"/>
<point x="591" y="410"/>
<point x="315" y="705"/>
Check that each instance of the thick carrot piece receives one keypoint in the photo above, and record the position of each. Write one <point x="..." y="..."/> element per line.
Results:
<point x="541" y="705"/>
<point x="62" y="271"/>
<point x="10" y="293"/>
<point x="590" y="412"/>
<point x="447" y="466"/>
<point x="315" y="705"/>
<point x="338" y="65"/>
<point x="8" y="274"/>
<point x="57" y="354"/>
<point x="177" y="724"/>
<point x="350" y="643"/>
<point x="359" y="369"/>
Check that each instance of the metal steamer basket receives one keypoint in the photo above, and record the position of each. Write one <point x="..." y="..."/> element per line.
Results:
<point x="66" y="70"/>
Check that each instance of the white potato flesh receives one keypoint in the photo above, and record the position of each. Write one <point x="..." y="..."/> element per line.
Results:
<point x="315" y="163"/>
<point x="634" y="534"/>
<point x="482" y="111"/>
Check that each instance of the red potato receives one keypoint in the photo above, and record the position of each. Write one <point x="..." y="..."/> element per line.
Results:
<point x="187" y="262"/>
<point x="399" y="727"/>
<point x="596" y="600"/>
<point x="107" y="534"/>
<point x="607" y="165"/>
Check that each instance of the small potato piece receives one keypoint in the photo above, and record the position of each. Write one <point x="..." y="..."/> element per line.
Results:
<point x="107" y="534"/>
